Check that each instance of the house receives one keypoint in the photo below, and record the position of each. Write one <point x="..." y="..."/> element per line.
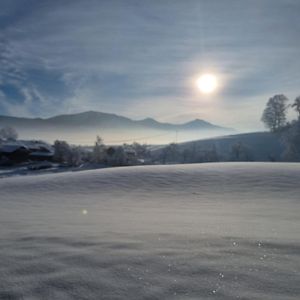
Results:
<point x="39" y="150"/>
<point x="14" y="152"/>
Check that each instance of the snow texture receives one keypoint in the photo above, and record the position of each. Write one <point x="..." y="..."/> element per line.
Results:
<point x="209" y="231"/>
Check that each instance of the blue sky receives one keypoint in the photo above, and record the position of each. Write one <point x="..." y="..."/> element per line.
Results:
<point x="141" y="58"/>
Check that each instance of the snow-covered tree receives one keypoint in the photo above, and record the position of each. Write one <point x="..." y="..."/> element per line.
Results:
<point x="274" y="115"/>
<point x="8" y="133"/>
<point x="70" y="155"/>
<point x="62" y="151"/>
<point x="76" y="156"/>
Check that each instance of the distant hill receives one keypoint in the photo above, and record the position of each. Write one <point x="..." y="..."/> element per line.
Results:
<point x="111" y="126"/>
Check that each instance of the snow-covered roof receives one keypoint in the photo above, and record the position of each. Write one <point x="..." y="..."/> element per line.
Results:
<point x="9" y="147"/>
<point x="39" y="147"/>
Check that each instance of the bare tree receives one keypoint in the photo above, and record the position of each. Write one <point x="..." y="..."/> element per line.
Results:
<point x="99" y="151"/>
<point x="274" y="115"/>
<point x="296" y="106"/>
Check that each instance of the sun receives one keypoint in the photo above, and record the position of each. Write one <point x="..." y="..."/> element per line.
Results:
<point x="207" y="83"/>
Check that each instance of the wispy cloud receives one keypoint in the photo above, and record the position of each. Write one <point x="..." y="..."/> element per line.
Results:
<point x="139" y="57"/>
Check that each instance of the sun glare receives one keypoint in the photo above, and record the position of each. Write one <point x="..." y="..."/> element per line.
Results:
<point x="207" y="83"/>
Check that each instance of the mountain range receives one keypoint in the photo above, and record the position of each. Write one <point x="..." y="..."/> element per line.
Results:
<point x="103" y="120"/>
<point x="82" y="128"/>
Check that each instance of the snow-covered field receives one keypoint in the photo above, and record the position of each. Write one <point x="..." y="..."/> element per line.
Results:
<point x="209" y="231"/>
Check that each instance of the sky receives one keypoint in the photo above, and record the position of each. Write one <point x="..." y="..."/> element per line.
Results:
<point x="141" y="58"/>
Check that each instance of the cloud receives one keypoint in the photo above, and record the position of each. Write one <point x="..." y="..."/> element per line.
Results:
<point x="140" y="57"/>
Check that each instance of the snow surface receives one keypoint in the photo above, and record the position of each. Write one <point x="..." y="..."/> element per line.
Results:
<point x="202" y="231"/>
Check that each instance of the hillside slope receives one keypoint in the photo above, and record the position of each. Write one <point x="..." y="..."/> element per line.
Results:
<point x="225" y="231"/>
<point x="255" y="146"/>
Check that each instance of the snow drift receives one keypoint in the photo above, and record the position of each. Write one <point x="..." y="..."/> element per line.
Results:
<point x="210" y="231"/>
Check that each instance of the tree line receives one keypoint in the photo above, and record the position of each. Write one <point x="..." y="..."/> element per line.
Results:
<point x="101" y="154"/>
